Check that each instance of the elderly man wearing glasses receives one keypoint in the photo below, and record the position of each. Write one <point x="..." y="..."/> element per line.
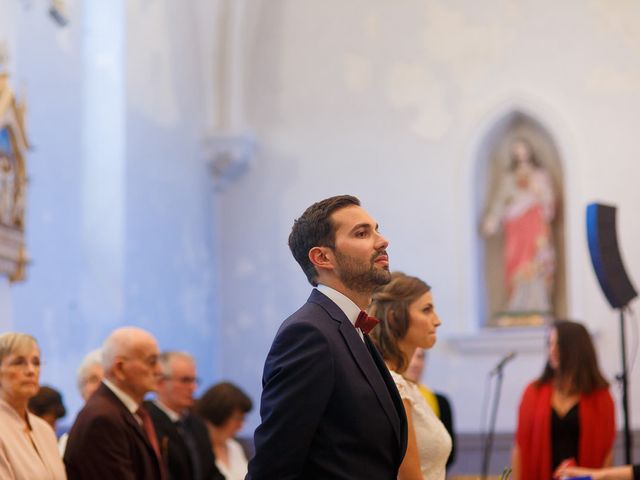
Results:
<point x="183" y="438"/>
<point x="113" y="436"/>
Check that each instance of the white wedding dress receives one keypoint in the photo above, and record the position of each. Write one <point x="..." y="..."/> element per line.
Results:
<point x="433" y="440"/>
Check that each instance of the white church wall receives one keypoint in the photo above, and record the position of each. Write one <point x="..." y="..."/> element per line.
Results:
<point x="389" y="102"/>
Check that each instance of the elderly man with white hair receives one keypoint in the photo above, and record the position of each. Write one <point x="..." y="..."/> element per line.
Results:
<point x="88" y="378"/>
<point x="113" y="436"/>
<point x="90" y="373"/>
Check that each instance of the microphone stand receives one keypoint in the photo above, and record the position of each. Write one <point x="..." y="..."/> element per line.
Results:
<point x="488" y="443"/>
<point x="623" y="378"/>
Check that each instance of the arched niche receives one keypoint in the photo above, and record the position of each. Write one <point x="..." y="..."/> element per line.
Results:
<point x="492" y="160"/>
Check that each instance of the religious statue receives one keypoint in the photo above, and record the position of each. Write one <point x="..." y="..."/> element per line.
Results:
<point x="524" y="209"/>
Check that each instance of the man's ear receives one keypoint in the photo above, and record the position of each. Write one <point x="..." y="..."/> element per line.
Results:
<point x="117" y="369"/>
<point x="321" y="258"/>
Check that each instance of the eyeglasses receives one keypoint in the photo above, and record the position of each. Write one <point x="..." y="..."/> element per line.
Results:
<point x="185" y="380"/>
<point x="150" y="361"/>
<point x="24" y="362"/>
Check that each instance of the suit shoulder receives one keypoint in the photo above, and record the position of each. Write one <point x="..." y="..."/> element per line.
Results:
<point x="100" y="410"/>
<point x="154" y="410"/>
<point x="306" y="327"/>
<point x="159" y="418"/>
<point x="310" y="315"/>
<point x="38" y="424"/>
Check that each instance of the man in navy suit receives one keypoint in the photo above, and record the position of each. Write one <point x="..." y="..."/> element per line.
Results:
<point x="329" y="407"/>
<point x="183" y="437"/>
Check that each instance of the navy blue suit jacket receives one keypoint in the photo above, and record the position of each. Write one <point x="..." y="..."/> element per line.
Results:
<point x="175" y="450"/>
<point x="330" y="409"/>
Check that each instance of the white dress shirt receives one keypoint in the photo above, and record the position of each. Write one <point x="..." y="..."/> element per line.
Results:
<point x="350" y="309"/>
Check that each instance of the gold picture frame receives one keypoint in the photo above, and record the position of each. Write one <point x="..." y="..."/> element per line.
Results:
<point x="14" y="145"/>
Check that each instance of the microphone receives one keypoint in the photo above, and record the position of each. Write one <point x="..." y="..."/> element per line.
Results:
<point x="503" y="361"/>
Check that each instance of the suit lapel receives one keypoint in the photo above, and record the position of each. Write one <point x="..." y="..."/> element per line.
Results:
<point x="363" y="359"/>
<point x="392" y="389"/>
<point x="133" y="423"/>
<point x="166" y="430"/>
<point x="371" y="373"/>
<point x="129" y="418"/>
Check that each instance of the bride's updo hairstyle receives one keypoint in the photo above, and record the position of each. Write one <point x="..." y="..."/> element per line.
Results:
<point x="390" y="304"/>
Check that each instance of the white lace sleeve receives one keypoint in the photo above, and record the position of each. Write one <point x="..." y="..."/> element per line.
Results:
<point x="432" y="439"/>
<point x="404" y="389"/>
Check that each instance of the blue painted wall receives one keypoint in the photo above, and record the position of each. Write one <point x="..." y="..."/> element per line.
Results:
<point x="120" y="218"/>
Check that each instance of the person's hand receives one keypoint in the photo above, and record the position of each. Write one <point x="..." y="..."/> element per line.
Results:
<point x="564" y="471"/>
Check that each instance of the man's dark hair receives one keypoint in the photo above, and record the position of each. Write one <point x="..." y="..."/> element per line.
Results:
<point x="220" y="402"/>
<point x="315" y="229"/>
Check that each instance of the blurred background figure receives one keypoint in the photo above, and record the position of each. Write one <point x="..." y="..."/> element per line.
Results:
<point x="48" y="405"/>
<point x="88" y="378"/>
<point x="438" y="402"/>
<point x="224" y="406"/>
<point x="183" y="437"/>
<point x="625" y="472"/>
<point x="90" y="373"/>
<point x="28" y="448"/>
<point x="567" y="414"/>
<point x="408" y="321"/>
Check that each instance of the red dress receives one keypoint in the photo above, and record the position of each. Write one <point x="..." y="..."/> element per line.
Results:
<point x="533" y="435"/>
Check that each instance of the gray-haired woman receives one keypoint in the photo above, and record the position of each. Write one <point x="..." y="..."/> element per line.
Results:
<point x="28" y="447"/>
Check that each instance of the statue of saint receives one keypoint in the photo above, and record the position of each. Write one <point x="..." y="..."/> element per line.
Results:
<point x="523" y="209"/>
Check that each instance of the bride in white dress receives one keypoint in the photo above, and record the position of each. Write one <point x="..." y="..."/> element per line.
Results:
<point x="408" y="320"/>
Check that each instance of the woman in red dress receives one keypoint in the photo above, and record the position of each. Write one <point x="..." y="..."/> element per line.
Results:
<point x="567" y="414"/>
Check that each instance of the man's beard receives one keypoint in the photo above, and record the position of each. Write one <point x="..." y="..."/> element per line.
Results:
<point x="359" y="276"/>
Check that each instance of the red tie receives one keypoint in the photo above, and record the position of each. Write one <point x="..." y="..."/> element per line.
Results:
<point x="147" y="424"/>
<point x="365" y="323"/>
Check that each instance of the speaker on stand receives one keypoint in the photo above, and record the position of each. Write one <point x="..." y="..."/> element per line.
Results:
<point x="616" y="286"/>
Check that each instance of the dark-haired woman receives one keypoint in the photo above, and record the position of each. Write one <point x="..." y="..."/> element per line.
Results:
<point x="567" y="414"/>
<point x="223" y="407"/>
<point x="408" y="321"/>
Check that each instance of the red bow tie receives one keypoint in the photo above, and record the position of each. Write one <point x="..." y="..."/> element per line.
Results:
<point x="365" y="323"/>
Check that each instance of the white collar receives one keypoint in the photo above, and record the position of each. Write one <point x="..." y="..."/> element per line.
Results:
<point x="173" y="415"/>
<point x="344" y="303"/>
<point x="125" y="398"/>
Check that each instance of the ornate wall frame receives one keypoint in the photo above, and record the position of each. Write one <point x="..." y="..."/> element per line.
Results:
<point x="13" y="183"/>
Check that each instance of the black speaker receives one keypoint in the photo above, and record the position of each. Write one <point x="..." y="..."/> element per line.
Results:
<point x="605" y="255"/>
